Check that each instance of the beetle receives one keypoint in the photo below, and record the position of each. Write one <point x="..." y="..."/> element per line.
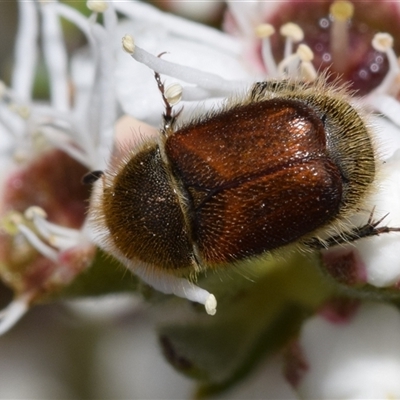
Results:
<point x="285" y="163"/>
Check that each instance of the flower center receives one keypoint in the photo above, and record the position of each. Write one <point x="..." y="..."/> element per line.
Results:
<point x="341" y="42"/>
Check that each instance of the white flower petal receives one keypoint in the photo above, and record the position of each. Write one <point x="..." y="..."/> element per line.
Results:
<point x="379" y="254"/>
<point x="387" y="135"/>
<point x="266" y="382"/>
<point x="355" y="360"/>
<point x="387" y="105"/>
<point x="128" y="356"/>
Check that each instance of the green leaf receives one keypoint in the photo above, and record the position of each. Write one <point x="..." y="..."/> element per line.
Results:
<point x="255" y="319"/>
<point x="105" y="276"/>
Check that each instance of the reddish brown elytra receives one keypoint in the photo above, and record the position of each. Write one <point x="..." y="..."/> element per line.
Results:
<point x="279" y="165"/>
<point x="249" y="190"/>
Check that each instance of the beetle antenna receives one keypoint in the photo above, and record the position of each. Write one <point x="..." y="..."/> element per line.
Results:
<point x="91" y="177"/>
<point x="169" y="115"/>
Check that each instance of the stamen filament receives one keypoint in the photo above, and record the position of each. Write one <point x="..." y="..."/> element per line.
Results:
<point x="12" y="122"/>
<point x="10" y="315"/>
<point x="98" y="109"/>
<point x="265" y="31"/>
<point x="63" y="143"/>
<point x="25" y="50"/>
<point x="58" y="236"/>
<point x="383" y="42"/>
<point x="307" y="71"/>
<point x="341" y="12"/>
<point x="214" y="83"/>
<point x="37" y="243"/>
<point x="106" y="93"/>
<point x="240" y="16"/>
<point x="195" y="93"/>
<point x="176" y="25"/>
<point x="83" y="116"/>
<point x="169" y="284"/>
<point x="288" y="67"/>
<point x="293" y="34"/>
<point x="77" y="19"/>
<point x="55" y="55"/>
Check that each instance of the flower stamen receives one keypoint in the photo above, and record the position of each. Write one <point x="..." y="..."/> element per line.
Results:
<point x="181" y="287"/>
<point x="97" y="6"/>
<point x="264" y="32"/>
<point x="173" y="93"/>
<point x="61" y="141"/>
<point x="383" y="42"/>
<point x="57" y="236"/>
<point x="55" y="53"/>
<point x="298" y="65"/>
<point x="36" y="242"/>
<point x="25" y="50"/>
<point x="293" y="34"/>
<point x="341" y="14"/>
<point x="307" y="70"/>
<point x="10" y="315"/>
<point x="214" y="84"/>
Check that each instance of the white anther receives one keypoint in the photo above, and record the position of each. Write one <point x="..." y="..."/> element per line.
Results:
<point x="292" y="31"/>
<point x="98" y="6"/>
<point x="382" y="42"/>
<point x="305" y="53"/>
<point x="211" y="305"/>
<point x="308" y="72"/>
<point x="128" y="44"/>
<point x="342" y="10"/>
<point x="35" y="211"/>
<point x="173" y="93"/>
<point x="264" y="31"/>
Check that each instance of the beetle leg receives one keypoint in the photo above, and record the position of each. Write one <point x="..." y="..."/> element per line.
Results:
<point x="371" y="228"/>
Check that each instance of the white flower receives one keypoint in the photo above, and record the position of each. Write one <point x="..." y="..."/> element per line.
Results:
<point x="204" y="49"/>
<point x="83" y="129"/>
<point x="201" y="68"/>
<point x="357" y="357"/>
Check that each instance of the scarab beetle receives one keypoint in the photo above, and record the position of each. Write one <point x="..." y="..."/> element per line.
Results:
<point x="281" y="164"/>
